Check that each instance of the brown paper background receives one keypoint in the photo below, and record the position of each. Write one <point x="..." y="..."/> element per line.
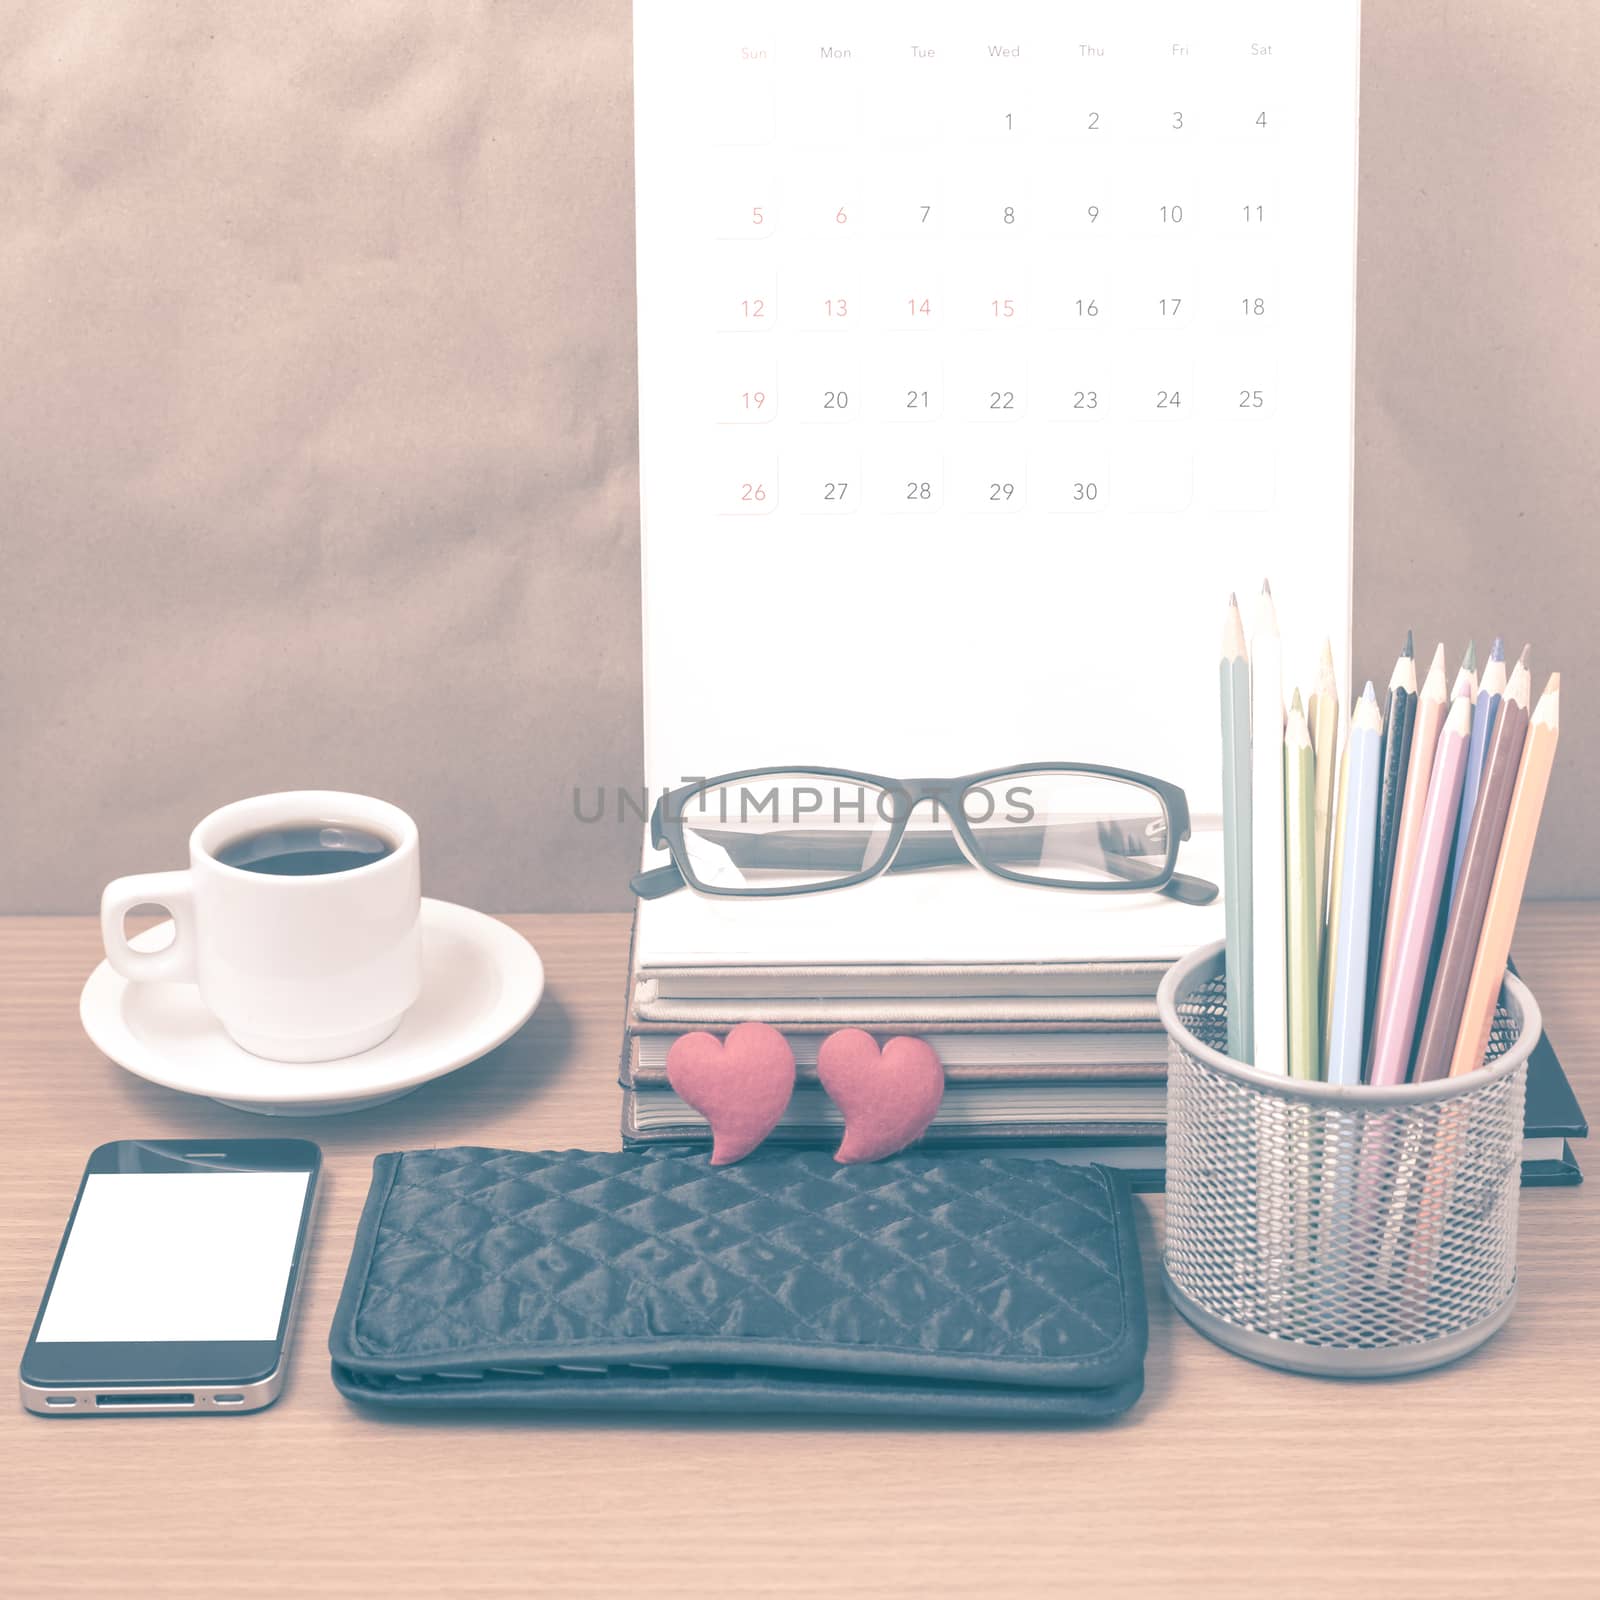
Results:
<point x="317" y="415"/>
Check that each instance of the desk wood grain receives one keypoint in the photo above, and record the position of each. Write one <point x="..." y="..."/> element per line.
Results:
<point x="1225" y="1480"/>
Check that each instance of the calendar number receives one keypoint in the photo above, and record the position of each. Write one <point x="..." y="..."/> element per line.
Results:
<point x="836" y="308"/>
<point x="754" y="400"/>
<point x="1094" y="214"/>
<point x="912" y="484"/>
<point x="1169" y="307"/>
<point x="1085" y="399"/>
<point x="1255" y="213"/>
<point x="1250" y="400"/>
<point x="840" y="216"/>
<point x="904" y="388"/>
<point x="1088" y="308"/>
<point x="1094" y="121"/>
<point x="919" y="308"/>
<point x="1168" y="399"/>
<point x="997" y="485"/>
<point x="1172" y="213"/>
<point x="745" y="300"/>
<point x="745" y="484"/>
<point x="1009" y="215"/>
<point x="835" y="399"/>
<point x="925" y="211"/>
<point x="1001" y="399"/>
<point x="830" y="486"/>
<point x="1177" y="119"/>
<point x="1254" y="306"/>
<point x="1086" y="491"/>
<point x="1261" y="119"/>
<point x="1003" y="308"/>
<point x="746" y="210"/>
<point x="1008" y="122"/>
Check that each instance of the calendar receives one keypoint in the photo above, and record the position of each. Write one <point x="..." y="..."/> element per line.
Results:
<point x="983" y="348"/>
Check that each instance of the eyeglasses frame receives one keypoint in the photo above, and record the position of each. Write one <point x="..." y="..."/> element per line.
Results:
<point x="666" y="824"/>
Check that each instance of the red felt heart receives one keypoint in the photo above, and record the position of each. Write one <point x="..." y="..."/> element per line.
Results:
<point x="740" y="1085"/>
<point x="888" y="1097"/>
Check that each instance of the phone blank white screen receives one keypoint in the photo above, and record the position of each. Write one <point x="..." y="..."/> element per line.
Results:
<point x="177" y="1256"/>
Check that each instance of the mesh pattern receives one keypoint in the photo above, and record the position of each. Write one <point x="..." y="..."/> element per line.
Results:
<point x="1339" y="1226"/>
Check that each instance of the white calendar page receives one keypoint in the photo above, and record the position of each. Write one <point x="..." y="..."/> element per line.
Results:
<point x="983" y="348"/>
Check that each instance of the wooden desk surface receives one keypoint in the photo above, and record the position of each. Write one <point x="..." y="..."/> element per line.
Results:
<point x="1226" y="1479"/>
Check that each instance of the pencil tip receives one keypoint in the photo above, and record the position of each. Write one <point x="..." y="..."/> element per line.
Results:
<point x="1498" y="652"/>
<point x="1297" y="704"/>
<point x="1522" y="660"/>
<point x="1519" y="686"/>
<point x="1327" y="652"/>
<point x="1470" y="660"/>
<point x="1548" y="711"/>
<point x="1368" y="693"/>
<point x="1266" y="588"/>
<point x="1233" y="599"/>
<point x="1411" y="646"/>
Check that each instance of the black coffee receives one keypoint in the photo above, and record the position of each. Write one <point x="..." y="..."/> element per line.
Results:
<point x="305" y="850"/>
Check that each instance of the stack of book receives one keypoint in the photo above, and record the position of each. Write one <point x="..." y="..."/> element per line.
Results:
<point x="1039" y="1003"/>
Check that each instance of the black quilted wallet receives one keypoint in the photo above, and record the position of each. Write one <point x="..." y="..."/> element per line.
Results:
<point x="928" y="1285"/>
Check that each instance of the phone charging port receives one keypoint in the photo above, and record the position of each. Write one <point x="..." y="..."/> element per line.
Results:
<point x="227" y="1399"/>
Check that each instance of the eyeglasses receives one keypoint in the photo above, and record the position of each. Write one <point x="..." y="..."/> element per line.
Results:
<point x="801" y="830"/>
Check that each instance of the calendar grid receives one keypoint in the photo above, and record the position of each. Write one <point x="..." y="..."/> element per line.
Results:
<point x="1064" y="280"/>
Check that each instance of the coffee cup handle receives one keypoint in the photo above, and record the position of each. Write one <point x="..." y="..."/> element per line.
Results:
<point x="174" y="964"/>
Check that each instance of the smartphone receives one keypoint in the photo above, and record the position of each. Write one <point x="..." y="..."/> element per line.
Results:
<point x="174" y="1285"/>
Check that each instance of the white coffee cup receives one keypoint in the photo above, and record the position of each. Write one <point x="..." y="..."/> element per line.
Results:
<point x="294" y="968"/>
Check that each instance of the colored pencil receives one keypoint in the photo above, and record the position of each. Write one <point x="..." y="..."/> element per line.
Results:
<point x="1397" y="721"/>
<point x="1409" y="944"/>
<point x="1510" y="878"/>
<point x="1330" y="943"/>
<point x="1466" y="675"/>
<point x="1465" y="924"/>
<point x="1363" y="757"/>
<point x="1299" y="801"/>
<point x="1270" y="1044"/>
<point x="1433" y="701"/>
<point x="1490" y="693"/>
<point x="1465" y="686"/>
<point x="1322" y="720"/>
<point x="1235" y="676"/>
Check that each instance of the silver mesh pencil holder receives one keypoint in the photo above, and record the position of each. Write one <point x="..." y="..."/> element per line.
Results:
<point x="1349" y="1232"/>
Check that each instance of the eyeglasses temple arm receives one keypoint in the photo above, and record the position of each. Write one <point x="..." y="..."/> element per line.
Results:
<point x="656" y="882"/>
<point x="1191" y="891"/>
<point x="1181" y="886"/>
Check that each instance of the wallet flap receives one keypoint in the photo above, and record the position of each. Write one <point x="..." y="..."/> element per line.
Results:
<point x="952" y="1269"/>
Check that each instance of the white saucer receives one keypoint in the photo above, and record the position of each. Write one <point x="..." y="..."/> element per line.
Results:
<point x="480" y="983"/>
